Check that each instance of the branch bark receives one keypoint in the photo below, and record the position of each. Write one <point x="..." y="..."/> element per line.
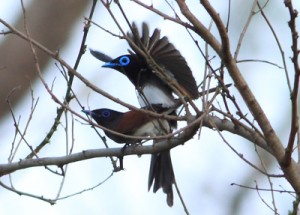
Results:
<point x="222" y="125"/>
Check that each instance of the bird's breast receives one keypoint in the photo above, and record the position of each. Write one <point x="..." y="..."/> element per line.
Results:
<point x="151" y="94"/>
<point x="153" y="128"/>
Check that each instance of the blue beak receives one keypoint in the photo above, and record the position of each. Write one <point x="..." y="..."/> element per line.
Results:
<point x="109" y="65"/>
<point x="89" y="112"/>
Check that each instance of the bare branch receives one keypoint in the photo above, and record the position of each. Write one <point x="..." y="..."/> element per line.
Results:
<point x="295" y="90"/>
<point x="251" y="15"/>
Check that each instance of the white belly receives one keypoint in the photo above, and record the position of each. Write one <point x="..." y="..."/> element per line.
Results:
<point x="154" y="95"/>
<point x="153" y="128"/>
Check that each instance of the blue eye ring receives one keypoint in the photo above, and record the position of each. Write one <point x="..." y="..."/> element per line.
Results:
<point x="105" y="113"/>
<point x="124" y="61"/>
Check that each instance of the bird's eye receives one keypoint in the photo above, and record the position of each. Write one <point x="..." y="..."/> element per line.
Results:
<point x="105" y="113"/>
<point x="124" y="61"/>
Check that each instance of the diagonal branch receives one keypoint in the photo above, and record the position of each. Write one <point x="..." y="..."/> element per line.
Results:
<point x="290" y="169"/>
<point x="240" y="83"/>
<point x="294" y="93"/>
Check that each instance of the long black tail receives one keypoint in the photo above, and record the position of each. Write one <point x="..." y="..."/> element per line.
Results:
<point x="161" y="172"/>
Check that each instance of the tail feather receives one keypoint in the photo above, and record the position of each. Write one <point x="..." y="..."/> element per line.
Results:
<point x="162" y="175"/>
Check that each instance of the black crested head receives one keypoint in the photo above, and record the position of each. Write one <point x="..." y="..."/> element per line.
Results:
<point x="128" y="65"/>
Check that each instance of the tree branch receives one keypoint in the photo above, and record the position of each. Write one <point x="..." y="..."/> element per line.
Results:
<point x="294" y="93"/>
<point x="221" y="124"/>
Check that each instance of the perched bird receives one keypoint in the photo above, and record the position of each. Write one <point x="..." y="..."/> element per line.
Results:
<point x="153" y="92"/>
<point x="136" y="123"/>
<point x="150" y="88"/>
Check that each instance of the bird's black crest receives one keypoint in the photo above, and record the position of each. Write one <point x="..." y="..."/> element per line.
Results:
<point x="101" y="56"/>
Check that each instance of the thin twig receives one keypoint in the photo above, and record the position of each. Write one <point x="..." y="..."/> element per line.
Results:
<point x="246" y="26"/>
<point x="264" y="201"/>
<point x="269" y="179"/>
<point x="181" y="199"/>
<point x="262" y="189"/>
<point x="278" y="44"/>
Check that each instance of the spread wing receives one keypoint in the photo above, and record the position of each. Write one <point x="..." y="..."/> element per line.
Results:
<point x="166" y="55"/>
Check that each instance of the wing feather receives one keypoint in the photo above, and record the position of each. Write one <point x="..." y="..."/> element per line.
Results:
<point x="166" y="55"/>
